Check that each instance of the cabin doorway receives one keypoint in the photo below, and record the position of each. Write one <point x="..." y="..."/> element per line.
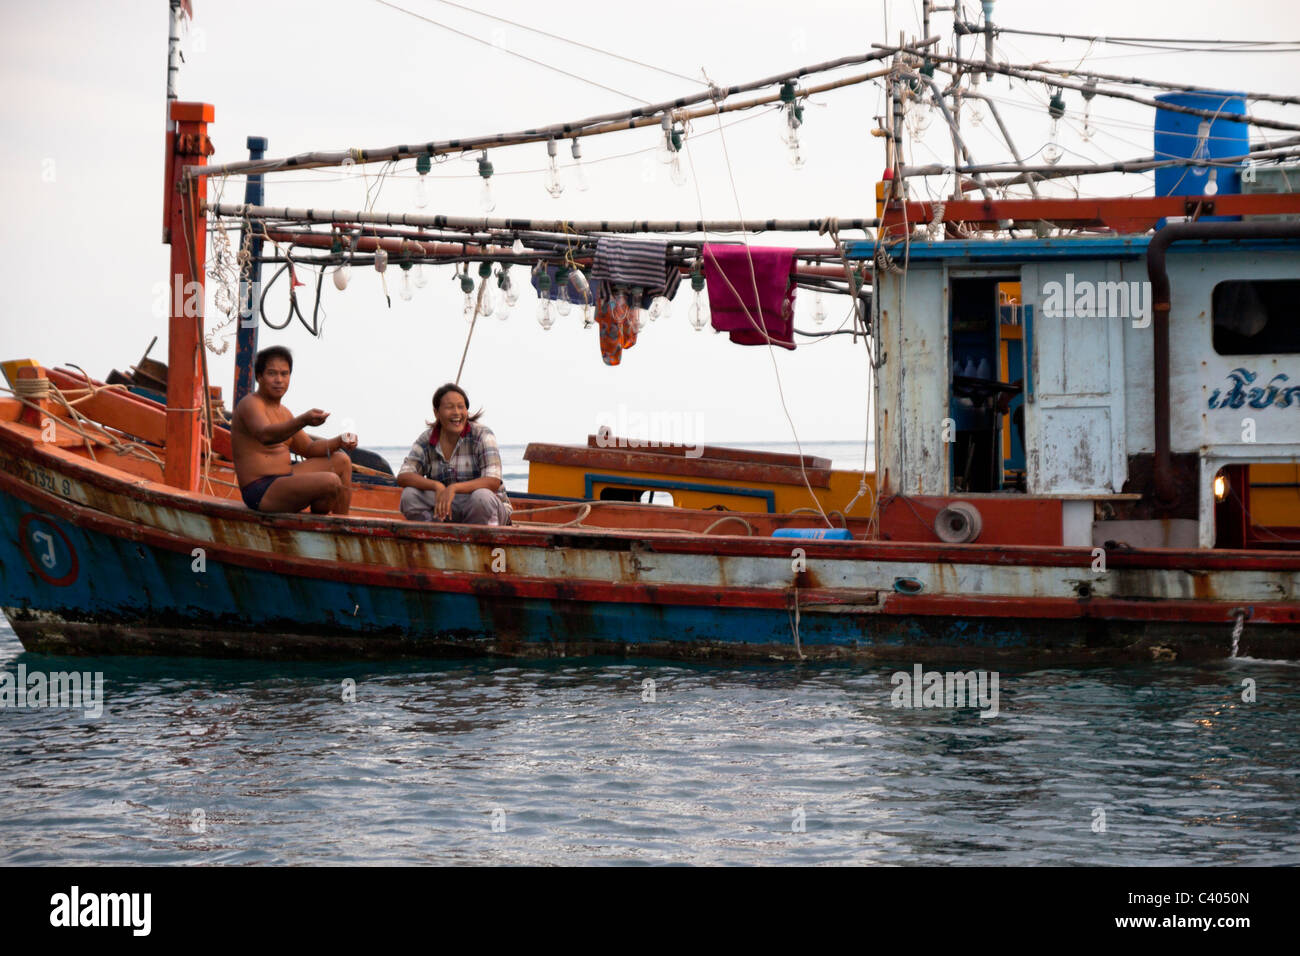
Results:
<point x="986" y="384"/>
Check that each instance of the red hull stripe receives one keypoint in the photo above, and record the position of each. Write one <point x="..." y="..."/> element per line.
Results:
<point x="1004" y="555"/>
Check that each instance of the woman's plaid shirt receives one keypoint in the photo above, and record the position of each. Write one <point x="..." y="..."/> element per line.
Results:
<point x="475" y="456"/>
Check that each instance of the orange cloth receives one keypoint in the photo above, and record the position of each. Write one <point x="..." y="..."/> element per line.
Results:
<point x="611" y="345"/>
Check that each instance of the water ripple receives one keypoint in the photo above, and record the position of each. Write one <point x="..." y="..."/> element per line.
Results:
<point x="208" y="762"/>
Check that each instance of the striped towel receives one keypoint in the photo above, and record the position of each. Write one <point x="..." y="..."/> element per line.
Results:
<point x="632" y="262"/>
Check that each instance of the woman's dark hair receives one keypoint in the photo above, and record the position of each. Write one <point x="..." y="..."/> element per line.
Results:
<point x="441" y="393"/>
<point x="264" y="356"/>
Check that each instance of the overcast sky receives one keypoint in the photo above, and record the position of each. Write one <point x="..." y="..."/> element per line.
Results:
<point x="82" y="158"/>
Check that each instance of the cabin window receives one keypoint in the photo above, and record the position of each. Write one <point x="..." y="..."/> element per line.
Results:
<point x="621" y="494"/>
<point x="652" y="497"/>
<point x="1257" y="317"/>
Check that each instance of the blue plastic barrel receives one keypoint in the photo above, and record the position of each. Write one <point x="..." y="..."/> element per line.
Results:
<point x="1177" y="137"/>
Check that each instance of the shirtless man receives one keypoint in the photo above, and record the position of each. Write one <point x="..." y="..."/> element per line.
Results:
<point x="263" y="433"/>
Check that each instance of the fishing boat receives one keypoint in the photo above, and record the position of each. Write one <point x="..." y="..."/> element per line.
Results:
<point x="1085" y="419"/>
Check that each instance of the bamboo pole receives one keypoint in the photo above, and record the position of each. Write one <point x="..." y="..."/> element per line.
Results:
<point x="1160" y="85"/>
<point x="1036" y="75"/>
<point x="607" y="122"/>
<point x="242" y="210"/>
<point x="1123" y="166"/>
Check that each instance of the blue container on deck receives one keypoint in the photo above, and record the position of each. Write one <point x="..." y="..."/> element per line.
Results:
<point x="826" y="534"/>
<point x="1178" y="136"/>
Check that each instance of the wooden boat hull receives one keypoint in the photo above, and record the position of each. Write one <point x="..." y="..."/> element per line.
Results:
<point x="94" y="563"/>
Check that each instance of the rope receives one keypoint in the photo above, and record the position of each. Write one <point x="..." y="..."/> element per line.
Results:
<point x="105" y="439"/>
<point x="749" y="529"/>
<point x="722" y="139"/>
<point x="584" y="510"/>
<point x="794" y="622"/>
<point x="814" y="511"/>
<point x="478" y="307"/>
<point x="33" y="388"/>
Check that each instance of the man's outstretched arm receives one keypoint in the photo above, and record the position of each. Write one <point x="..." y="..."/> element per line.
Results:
<point x="257" y="424"/>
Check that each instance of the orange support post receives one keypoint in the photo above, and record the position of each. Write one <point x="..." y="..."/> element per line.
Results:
<point x="38" y="410"/>
<point x="188" y="145"/>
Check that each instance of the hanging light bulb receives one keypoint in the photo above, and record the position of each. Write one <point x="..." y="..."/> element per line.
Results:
<point x="508" y="296"/>
<point x="1089" y="91"/>
<point x="581" y="287"/>
<point x="486" y="201"/>
<point x="793" y="120"/>
<point x="974" y="105"/>
<point x="381" y="260"/>
<point x="1212" y="183"/>
<point x="406" y="292"/>
<point x="421" y="277"/>
<point x="579" y="171"/>
<point x="342" y="272"/>
<point x="467" y="287"/>
<point x="618" y="309"/>
<point x="423" y="163"/>
<point x="661" y="307"/>
<point x="508" y="291"/>
<point x="484" y="277"/>
<point x="517" y="247"/>
<point x="699" y="314"/>
<point x="675" y="172"/>
<point x="553" y="184"/>
<point x="1052" y="152"/>
<point x="634" y="304"/>
<point x="819" y="309"/>
<point x="666" y="151"/>
<point x="1202" y="150"/>
<point x="563" y="304"/>
<point x="544" y="317"/>
<point x="920" y="112"/>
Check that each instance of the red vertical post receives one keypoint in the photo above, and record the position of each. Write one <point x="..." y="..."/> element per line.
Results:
<point x="188" y="145"/>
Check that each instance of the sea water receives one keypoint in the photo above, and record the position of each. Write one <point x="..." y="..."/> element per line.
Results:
<point x="639" y="761"/>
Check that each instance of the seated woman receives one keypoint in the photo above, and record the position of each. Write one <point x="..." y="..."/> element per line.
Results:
<point x="453" y="471"/>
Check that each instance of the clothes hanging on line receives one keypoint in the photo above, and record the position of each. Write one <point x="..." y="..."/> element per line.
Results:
<point x="733" y="274"/>
<point x="611" y="345"/>
<point x="671" y="282"/>
<point x="634" y="263"/>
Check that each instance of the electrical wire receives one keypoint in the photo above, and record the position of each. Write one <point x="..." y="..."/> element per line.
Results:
<point x="568" y="40"/>
<point x="542" y="64"/>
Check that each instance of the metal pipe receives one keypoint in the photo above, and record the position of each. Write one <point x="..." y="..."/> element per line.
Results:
<point x="1165" y="483"/>
<point x="246" y="335"/>
<point x="173" y="52"/>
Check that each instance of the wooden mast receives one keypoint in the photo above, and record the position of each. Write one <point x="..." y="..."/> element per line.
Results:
<point x="187" y="144"/>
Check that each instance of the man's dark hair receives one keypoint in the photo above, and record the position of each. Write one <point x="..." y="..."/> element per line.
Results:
<point x="264" y="356"/>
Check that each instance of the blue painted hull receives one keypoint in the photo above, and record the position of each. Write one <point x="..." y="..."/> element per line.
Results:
<point x="131" y="597"/>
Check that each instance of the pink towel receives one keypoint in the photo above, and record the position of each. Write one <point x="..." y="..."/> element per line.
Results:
<point x="731" y="273"/>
